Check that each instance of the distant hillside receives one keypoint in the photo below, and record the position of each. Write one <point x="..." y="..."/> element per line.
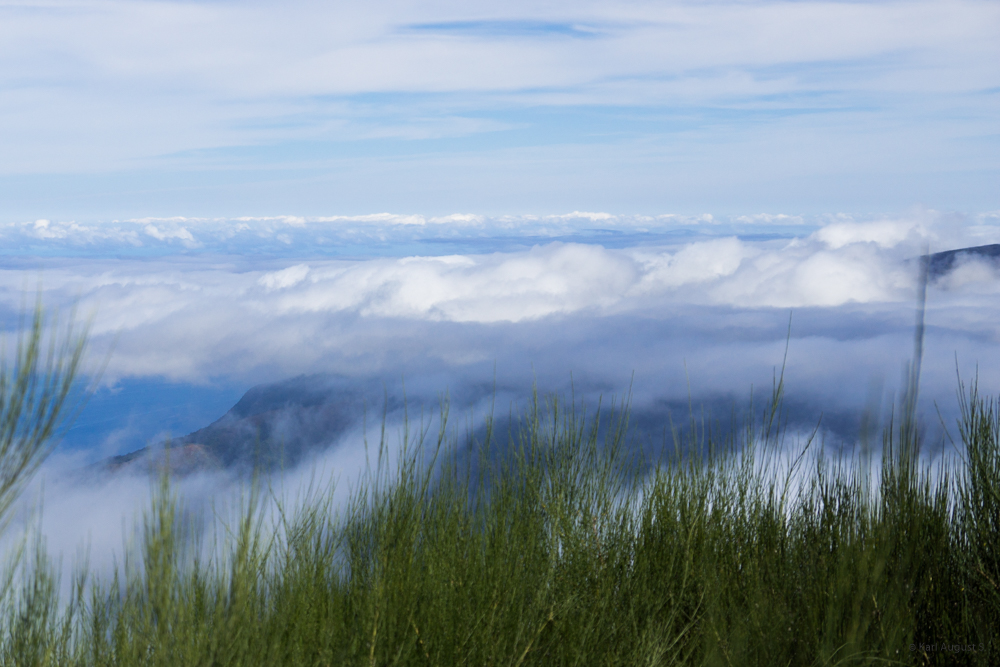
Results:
<point x="273" y="425"/>
<point x="942" y="263"/>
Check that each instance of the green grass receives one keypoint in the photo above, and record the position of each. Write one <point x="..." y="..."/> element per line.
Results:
<point x="562" y="547"/>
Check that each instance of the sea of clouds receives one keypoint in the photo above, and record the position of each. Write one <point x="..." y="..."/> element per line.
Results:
<point x="674" y="312"/>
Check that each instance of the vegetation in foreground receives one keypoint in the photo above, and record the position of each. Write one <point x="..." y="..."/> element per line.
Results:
<point x="562" y="548"/>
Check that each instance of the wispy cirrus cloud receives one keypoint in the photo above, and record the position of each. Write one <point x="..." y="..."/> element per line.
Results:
<point x="170" y="95"/>
<point x="508" y="28"/>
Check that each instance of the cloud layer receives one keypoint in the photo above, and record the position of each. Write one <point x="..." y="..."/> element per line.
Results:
<point x="531" y="298"/>
<point x="675" y="312"/>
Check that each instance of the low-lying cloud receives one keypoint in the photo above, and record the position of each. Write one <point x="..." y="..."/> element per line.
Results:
<point x="694" y="319"/>
<point x="675" y="313"/>
<point x="205" y="315"/>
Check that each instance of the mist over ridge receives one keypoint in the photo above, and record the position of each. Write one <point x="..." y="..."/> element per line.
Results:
<point x="281" y="424"/>
<point x="675" y="313"/>
<point x="573" y="314"/>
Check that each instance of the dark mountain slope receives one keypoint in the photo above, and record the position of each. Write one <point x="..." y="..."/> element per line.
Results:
<point x="273" y="426"/>
<point x="942" y="263"/>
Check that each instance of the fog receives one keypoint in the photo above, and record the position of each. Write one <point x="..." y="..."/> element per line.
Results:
<point x="671" y="314"/>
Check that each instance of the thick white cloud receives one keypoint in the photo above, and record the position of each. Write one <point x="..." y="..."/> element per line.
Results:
<point x="706" y="318"/>
<point x="717" y="306"/>
<point x="208" y="315"/>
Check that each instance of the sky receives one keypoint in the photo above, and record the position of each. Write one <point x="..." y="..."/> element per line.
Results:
<point x="661" y="200"/>
<point x="120" y="109"/>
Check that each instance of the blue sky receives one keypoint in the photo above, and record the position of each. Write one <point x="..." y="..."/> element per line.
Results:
<point x="112" y="109"/>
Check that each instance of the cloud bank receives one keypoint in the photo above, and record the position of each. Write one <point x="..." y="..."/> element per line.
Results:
<point x="674" y="312"/>
<point x="548" y="293"/>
